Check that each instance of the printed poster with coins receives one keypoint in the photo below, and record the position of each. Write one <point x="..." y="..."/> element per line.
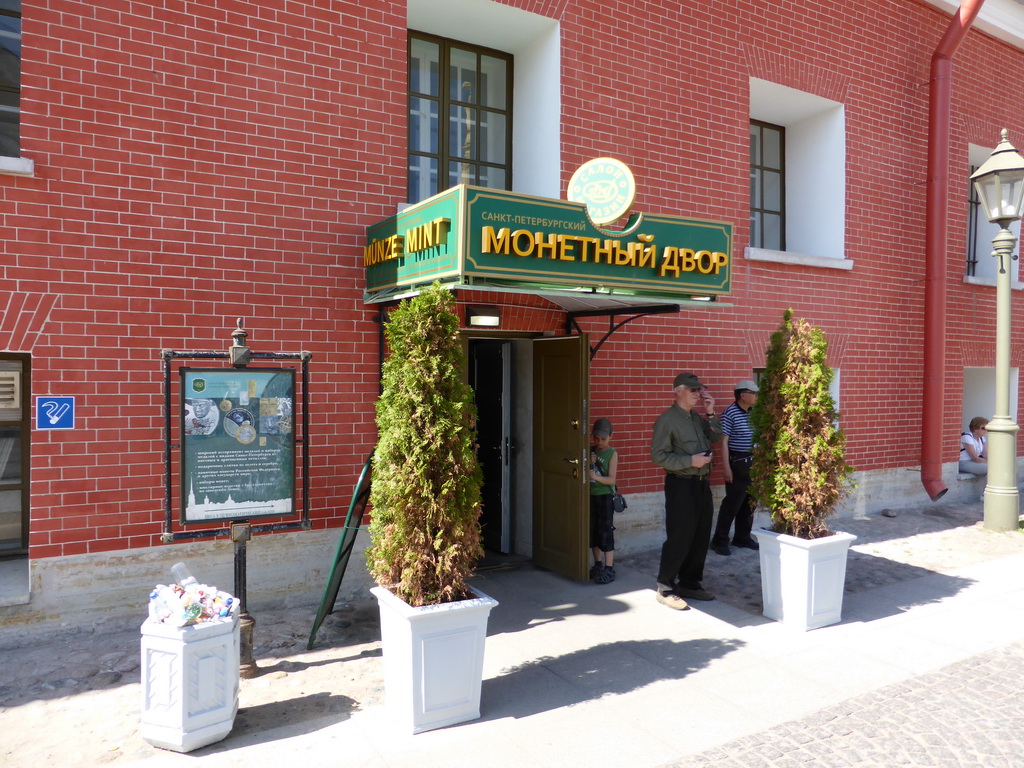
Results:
<point x="237" y="443"/>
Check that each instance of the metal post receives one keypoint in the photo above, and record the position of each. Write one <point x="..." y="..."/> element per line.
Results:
<point x="1002" y="500"/>
<point x="240" y="534"/>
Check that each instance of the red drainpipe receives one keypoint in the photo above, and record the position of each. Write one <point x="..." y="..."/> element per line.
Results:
<point x="932" y="434"/>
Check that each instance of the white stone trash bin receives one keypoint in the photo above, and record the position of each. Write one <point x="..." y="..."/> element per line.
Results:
<point x="189" y="683"/>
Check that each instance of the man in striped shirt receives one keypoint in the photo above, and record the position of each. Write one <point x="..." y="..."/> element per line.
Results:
<point x="738" y="444"/>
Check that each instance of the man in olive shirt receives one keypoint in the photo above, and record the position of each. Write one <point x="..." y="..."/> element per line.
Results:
<point x="681" y="445"/>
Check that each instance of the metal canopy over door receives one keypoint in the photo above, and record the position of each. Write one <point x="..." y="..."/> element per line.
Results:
<point x="561" y="502"/>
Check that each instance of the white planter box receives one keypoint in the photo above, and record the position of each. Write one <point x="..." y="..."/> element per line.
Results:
<point x="189" y="683"/>
<point x="433" y="659"/>
<point x="802" y="580"/>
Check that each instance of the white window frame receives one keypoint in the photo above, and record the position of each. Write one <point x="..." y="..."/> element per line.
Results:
<point x="535" y="43"/>
<point x="815" y="168"/>
<point x="982" y="232"/>
<point x="15" y="165"/>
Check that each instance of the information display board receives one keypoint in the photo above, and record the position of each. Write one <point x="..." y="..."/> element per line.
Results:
<point x="237" y="443"/>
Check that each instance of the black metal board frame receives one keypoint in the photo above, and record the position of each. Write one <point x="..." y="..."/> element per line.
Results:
<point x="169" y="534"/>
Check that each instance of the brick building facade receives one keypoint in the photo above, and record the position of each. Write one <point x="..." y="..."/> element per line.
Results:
<point x="179" y="165"/>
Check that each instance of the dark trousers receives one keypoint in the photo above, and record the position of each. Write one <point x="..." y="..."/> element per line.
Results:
<point x="602" y="532"/>
<point x="736" y="506"/>
<point x="688" y="513"/>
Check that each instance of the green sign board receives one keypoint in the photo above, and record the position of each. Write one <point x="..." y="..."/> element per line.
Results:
<point x="485" y="236"/>
<point x="417" y="246"/>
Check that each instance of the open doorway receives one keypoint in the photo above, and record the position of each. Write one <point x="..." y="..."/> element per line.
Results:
<point x="490" y="375"/>
<point x="531" y="396"/>
<point x="979" y="395"/>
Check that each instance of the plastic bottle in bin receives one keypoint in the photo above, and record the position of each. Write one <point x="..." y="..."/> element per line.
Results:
<point x="166" y="607"/>
<point x="182" y="575"/>
<point x="159" y="611"/>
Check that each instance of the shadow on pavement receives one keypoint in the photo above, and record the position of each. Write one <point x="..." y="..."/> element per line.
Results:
<point x="88" y="662"/>
<point x="548" y="683"/>
<point x="864" y="572"/>
<point x="291" y="666"/>
<point x="304" y="714"/>
<point x="530" y="596"/>
<point x="736" y="580"/>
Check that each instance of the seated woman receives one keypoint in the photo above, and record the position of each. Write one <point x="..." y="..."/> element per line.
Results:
<point x="973" y="447"/>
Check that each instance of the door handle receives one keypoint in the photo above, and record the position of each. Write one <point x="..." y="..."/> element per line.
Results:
<point x="572" y="461"/>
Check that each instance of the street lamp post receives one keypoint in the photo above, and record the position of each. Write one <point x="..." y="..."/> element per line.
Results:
<point x="1000" y="185"/>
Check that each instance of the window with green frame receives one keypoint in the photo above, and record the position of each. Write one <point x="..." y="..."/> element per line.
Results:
<point x="767" y="186"/>
<point x="460" y="116"/>
<point x="10" y="78"/>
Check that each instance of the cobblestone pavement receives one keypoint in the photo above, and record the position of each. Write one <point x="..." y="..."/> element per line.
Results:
<point x="966" y="715"/>
<point x="85" y="690"/>
<point x="888" y="550"/>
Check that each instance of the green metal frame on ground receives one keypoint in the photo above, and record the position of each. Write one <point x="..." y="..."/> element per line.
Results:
<point x="344" y="552"/>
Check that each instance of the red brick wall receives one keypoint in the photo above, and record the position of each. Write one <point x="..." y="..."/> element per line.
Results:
<point x="198" y="162"/>
<point x="195" y="162"/>
<point x="678" y="115"/>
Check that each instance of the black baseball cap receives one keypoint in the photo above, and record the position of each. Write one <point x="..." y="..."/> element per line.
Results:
<point x="687" y="380"/>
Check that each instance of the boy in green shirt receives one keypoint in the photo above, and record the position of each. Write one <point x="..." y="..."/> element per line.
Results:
<point x="604" y="462"/>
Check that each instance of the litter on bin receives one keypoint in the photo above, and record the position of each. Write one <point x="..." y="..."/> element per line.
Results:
<point x="188" y="602"/>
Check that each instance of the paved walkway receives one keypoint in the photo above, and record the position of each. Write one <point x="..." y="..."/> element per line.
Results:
<point x="924" y="670"/>
<point x="965" y="715"/>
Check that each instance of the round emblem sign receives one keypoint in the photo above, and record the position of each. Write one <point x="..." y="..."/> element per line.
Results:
<point x="606" y="186"/>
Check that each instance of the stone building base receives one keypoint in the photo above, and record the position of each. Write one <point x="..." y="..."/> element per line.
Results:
<point x="109" y="591"/>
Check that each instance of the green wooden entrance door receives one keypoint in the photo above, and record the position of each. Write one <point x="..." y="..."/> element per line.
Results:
<point x="561" y="500"/>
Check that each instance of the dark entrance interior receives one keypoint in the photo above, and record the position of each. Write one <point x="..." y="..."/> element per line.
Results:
<point x="488" y="376"/>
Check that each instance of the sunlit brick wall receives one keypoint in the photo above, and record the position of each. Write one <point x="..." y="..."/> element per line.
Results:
<point x="199" y="162"/>
<point x="195" y="163"/>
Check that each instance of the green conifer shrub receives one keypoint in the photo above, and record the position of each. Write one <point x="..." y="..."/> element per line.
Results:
<point x="425" y="492"/>
<point x="799" y="471"/>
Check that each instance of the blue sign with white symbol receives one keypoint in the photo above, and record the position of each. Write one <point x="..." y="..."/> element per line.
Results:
<point x="55" y="413"/>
